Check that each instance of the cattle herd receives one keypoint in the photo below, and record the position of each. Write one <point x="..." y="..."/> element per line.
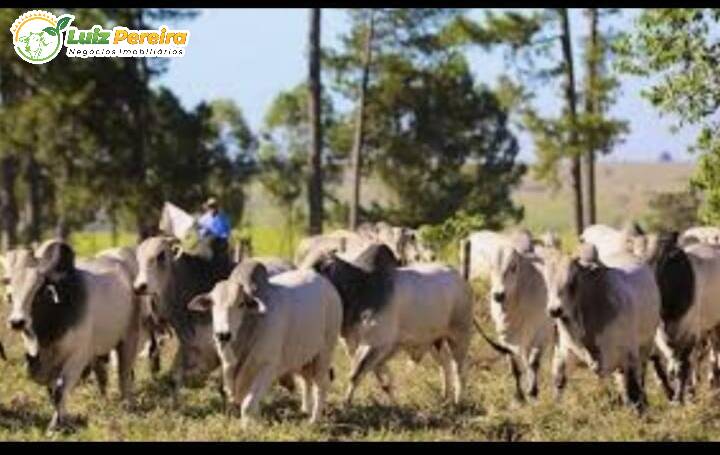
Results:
<point x="623" y="300"/>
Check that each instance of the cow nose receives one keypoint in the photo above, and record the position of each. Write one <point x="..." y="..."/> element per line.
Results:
<point x="17" y="324"/>
<point x="223" y="337"/>
<point x="499" y="297"/>
<point x="555" y="312"/>
<point x="141" y="288"/>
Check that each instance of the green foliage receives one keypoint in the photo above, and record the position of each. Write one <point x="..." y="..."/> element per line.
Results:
<point x="678" y="48"/>
<point x="426" y="118"/>
<point x="283" y="154"/>
<point x="676" y="211"/>
<point x="443" y="238"/>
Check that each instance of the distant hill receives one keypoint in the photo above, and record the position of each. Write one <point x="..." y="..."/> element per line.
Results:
<point x="623" y="190"/>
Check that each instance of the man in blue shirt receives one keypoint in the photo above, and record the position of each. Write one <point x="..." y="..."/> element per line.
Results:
<point x="214" y="228"/>
<point x="214" y="223"/>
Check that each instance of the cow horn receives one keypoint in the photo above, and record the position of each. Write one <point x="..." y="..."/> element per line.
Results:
<point x="54" y="293"/>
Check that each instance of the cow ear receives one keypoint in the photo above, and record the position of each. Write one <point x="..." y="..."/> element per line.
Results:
<point x="201" y="303"/>
<point x="256" y="306"/>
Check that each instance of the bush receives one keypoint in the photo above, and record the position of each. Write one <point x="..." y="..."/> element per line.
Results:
<point x="673" y="210"/>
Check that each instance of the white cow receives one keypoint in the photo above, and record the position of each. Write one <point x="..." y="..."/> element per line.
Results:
<point x="267" y="327"/>
<point x="609" y="241"/>
<point x="517" y="302"/>
<point x="701" y="234"/>
<point x="417" y="308"/>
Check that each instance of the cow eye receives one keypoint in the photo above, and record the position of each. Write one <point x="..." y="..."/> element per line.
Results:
<point x="161" y="258"/>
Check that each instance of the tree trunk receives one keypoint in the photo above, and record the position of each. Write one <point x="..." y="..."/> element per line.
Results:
<point x="32" y="202"/>
<point x="571" y="107"/>
<point x="315" y="178"/>
<point x="8" y="171"/>
<point x="360" y="125"/>
<point x="591" y="107"/>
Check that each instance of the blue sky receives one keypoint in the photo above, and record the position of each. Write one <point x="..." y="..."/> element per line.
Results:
<point x="267" y="54"/>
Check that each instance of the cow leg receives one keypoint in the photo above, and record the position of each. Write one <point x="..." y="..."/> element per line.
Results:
<point x="662" y="375"/>
<point x="100" y="370"/>
<point x="517" y="376"/>
<point x="305" y="383"/>
<point x="228" y="382"/>
<point x="320" y="384"/>
<point x="441" y="355"/>
<point x="458" y="353"/>
<point x="714" y="373"/>
<point x="126" y="352"/>
<point x="384" y="377"/>
<point x="367" y="358"/>
<point x="61" y="388"/>
<point x="559" y="362"/>
<point x="251" y="402"/>
<point x="154" y="355"/>
<point x="681" y="375"/>
<point x="176" y="376"/>
<point x="634" y="392"/>
<point x="533" y="365"/>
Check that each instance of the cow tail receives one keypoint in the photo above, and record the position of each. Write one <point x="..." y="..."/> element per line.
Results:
<point x="493" y="344"/>
<point x="2" y="352"/>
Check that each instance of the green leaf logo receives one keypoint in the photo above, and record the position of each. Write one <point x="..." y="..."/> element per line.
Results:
<point x="50" y="31"/>
<point x="63" y="23"/>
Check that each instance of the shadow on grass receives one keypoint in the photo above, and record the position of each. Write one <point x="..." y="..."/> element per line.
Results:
<point x="22" y="414"/>
<point x="360" y="419"/>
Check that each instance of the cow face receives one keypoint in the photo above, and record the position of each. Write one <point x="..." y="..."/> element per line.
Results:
<point x="562" y="279"/>
<point x="504" y="275"/>
<point x="155" y="257"/>
<point x="233" y="299"/>
<point x="576" y="291"/>
<point x="25" y="284"/>
<point x="11" y="261"/>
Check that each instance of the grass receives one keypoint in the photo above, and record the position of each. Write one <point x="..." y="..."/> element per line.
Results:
<point x="589" y="410"/>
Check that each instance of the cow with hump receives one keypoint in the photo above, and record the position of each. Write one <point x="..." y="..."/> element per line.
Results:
<point x="171" y="278"/>
<point x="517" y="300"/>
<point x="268" y="327"/>
<point x="70" y="315"/>
<point x="387" y="308"/>
<point x="607" y="316"/>
<point x="689" y="281"/>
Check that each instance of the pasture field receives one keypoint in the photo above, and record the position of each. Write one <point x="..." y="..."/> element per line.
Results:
<point x="589" y="410"/>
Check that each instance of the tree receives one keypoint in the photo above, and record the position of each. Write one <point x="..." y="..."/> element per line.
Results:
<point x="360" y="122"/>
<point x="285" y="143"/>
<point x="539" y="45"/>
<point x="678" y="48"/>
<point x="436" y="139"/>
<point x="315" y="178"/>
<point x="599" y="132"/>
<point x="571" y="113"/>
